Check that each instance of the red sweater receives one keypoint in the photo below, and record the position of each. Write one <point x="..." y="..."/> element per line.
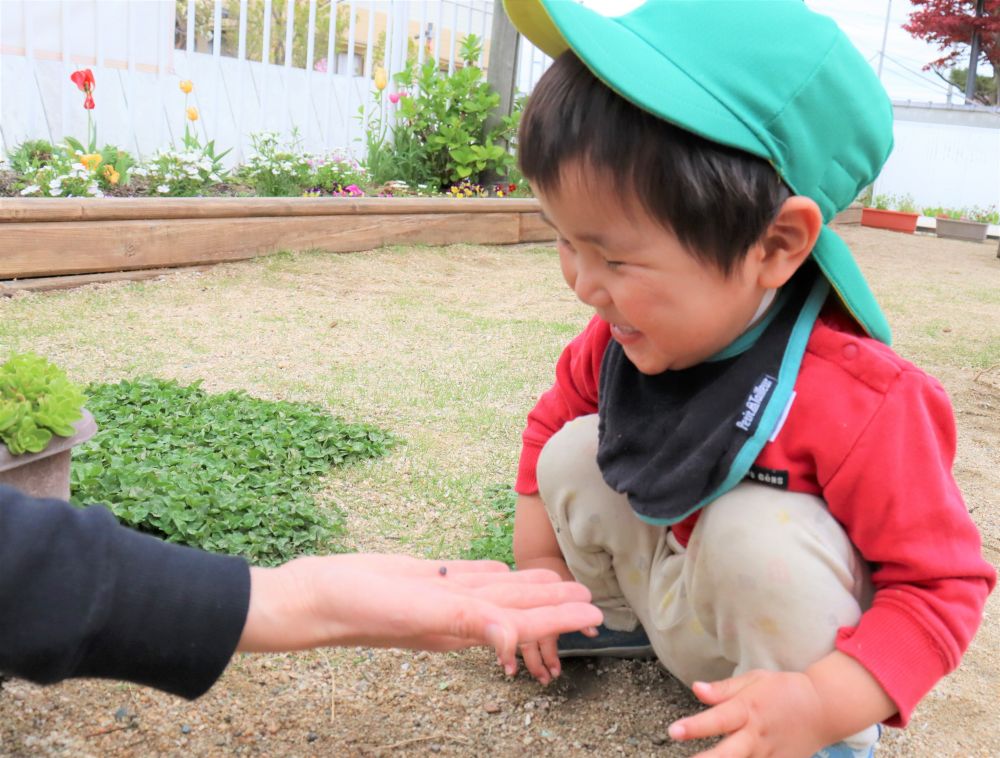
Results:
<point x="875" y="438"/>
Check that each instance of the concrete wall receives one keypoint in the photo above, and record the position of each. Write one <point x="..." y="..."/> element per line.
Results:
<point x="945" y="155"/>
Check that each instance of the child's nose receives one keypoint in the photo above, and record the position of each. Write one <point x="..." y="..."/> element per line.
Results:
<point x="588" y="286"/>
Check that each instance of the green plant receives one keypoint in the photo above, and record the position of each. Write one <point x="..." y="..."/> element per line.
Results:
<point x="31" y="155"/>
<point x="336" y="169"/>
<point x="225" y="472"/>
<point x="37" y="401"/>
<point x="277" y="169"/>
<point x="186" y="173"/>
<point x="446" y="115"/>
<point x="988" y="215"/>
<point x="901" y="203"/>
<point x="114" y="167"/>
<point x="494" y="539"/>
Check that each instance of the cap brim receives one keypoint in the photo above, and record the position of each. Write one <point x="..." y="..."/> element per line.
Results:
<point x="638" y="71"/>
<point x="530" y="18"/>
<point x="835" y="260"/>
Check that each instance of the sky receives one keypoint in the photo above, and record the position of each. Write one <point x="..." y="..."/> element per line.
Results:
<point x="864" y="22"/>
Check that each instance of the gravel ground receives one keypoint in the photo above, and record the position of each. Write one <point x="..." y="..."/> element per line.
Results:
<point x="410" y="311"/>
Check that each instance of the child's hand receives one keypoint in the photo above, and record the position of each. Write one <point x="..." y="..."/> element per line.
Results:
<point x="764" y="713"/>
<point x="541" y="659"/>
<point x="780" y="713"/>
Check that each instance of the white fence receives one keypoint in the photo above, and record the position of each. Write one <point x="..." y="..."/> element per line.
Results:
<point x="130" y="46"/>
<point x="140" y="50"/>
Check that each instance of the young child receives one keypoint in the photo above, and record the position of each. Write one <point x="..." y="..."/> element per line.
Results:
<point x="752" y="484"/>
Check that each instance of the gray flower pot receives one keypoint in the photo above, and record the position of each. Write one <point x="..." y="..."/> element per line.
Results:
<point x="953" y="228"/>
<point x="45" y="474"/>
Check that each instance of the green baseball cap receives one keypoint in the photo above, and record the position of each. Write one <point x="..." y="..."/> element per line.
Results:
<point x="769" y="77"/>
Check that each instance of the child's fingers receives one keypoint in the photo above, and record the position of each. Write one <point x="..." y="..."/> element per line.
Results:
<point x="712" y="693"/>
<point x="722" y="719"/>
<point x="734" y="746"/>
<point x="532" y="658"/>
<point x="550" y="655"/>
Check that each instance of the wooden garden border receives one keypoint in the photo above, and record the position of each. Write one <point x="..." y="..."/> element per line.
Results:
<point x="48" y="242"/>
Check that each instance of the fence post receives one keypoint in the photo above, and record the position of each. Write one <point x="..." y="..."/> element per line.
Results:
<point x="501" y="73"/>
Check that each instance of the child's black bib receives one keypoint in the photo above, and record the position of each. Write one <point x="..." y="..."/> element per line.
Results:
<point x="676" y="441"/>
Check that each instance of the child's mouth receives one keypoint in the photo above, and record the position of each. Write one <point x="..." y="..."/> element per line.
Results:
<point x="625" y="334"/>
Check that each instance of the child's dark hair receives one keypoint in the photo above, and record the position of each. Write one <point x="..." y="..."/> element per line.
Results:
<point x="717" y="200"/>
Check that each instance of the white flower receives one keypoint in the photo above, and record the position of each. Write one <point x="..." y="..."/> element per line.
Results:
<point x="30" y="189"/>
<point x="163" y="188"/>
<point x="55" y="191"/>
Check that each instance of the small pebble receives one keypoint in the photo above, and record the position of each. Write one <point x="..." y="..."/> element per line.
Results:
<point x="658" y="739"/>
<point x="185" y="729"/>
<point x="121" y="714"/>
<point x="443" y="571"/>
<point x="491" y="707"/>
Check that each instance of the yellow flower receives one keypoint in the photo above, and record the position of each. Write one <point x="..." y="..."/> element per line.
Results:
<point x="111" y="175"/>
<point x="186" y="86"/>
<point x="192" y="113"/>
<point x="91" y="160"/>
<point x="381" y="80"/>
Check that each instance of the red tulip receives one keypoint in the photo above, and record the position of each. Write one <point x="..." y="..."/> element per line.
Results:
<point x="84" y="80"/>
<point x="393" y="97"/>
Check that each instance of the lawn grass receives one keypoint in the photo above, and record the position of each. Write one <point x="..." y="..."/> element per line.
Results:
<point x="445" y="348"/>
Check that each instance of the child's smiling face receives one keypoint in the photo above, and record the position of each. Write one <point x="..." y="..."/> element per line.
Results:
<point x="667" y="308"/>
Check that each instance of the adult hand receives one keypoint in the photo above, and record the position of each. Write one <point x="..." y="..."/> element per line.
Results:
<point x="398" y="601"/>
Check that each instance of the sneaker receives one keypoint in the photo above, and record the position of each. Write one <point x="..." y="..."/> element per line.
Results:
<point x="608" y="643"/>
<point x="843" y="750"/>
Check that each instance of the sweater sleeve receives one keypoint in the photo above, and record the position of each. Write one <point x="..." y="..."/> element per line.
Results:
<point x="902" y="509"/>
<point x="82" y="596"/>
<point x="574" y="394"/>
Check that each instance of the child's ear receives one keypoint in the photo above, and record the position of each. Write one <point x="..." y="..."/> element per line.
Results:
<point x="788" y="240"/>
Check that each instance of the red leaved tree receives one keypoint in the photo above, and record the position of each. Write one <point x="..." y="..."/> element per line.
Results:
<point x="949" y="24"/>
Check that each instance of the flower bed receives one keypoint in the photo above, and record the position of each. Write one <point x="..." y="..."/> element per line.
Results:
<point x="57" y="237"/>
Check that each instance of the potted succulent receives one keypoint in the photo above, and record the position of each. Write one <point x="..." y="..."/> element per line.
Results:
<point x="968" y="224"/>
<point x="880" y="216"/>
<point x="41" y="419"/>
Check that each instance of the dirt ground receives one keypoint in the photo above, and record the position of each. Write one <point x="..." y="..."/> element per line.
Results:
<point x="359" y="702"/>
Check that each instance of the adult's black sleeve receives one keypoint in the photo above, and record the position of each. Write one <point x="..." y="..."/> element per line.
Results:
<point x="83" y="596"/>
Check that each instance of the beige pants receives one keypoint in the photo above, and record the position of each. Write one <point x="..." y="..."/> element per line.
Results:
<point x="765" y="582"/>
